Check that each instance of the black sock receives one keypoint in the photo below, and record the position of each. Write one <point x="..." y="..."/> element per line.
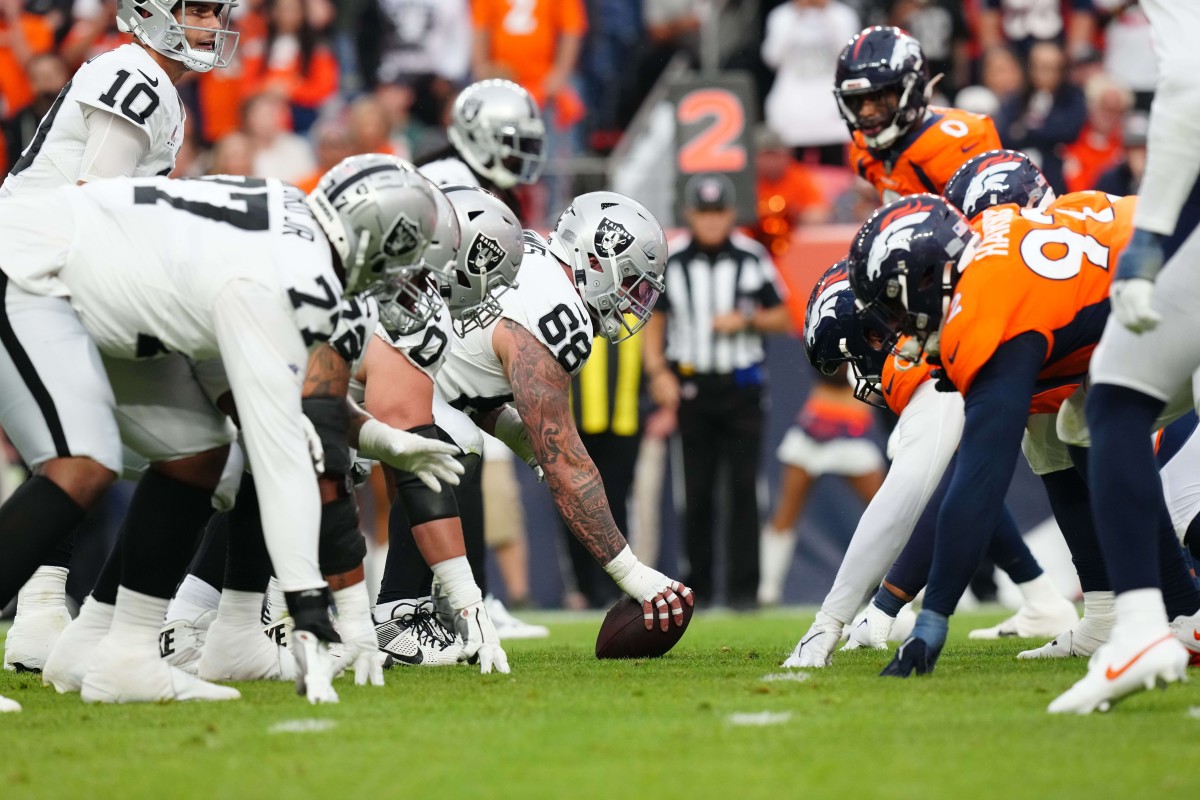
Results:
<point x="1180" y="594"/>
<point x="1009" y="552"/>
<point x="61" y="557"/>
<point x="405" y="573"/>
<point x="160" y="534"/>
<point x="1067" y="492"/>
<point x="105" y="590"/>
<point x="469" y="494"/>
<point x="247" y="565"/>
<point x="33" y="521"/>
<point x="209" y="562"/>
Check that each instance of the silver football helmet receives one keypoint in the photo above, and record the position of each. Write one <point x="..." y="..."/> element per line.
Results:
<point x="488" y="258"/>
<point x="415" y="299"/>
<point x="379" y="215"/>
<point x="618" y="253"/>
<point x="154" y="24"/>
<point x="497" y="129"/>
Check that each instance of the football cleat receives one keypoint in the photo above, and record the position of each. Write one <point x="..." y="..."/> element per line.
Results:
<point x="242" y="653"/>
<point x="32" y="637"/>
<point x="913" y="655"/>
<point x="1187" y="631"/>
<point x="1081" y="640"/>
<point x="508" y="626"/>
<point x="181" y="641"/>
<point x="870" y="629"/>
<point x="1033" y="620"/>
<point x="314" y="668"/>
<point x="414" y="636"/>
<point x="815" y="648"/>
<point x="73" y="652"/>
<point x="8" y="706"/>
<point x="130" y="674"/>
<point x="1121" y="667"/>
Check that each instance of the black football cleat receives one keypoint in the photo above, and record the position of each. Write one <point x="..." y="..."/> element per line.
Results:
<point x="912" y="656"/>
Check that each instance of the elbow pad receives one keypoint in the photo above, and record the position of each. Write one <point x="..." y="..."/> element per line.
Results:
<point x="330" y="417"/>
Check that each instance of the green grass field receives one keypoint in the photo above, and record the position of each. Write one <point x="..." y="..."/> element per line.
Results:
<point x="566" y="725"/>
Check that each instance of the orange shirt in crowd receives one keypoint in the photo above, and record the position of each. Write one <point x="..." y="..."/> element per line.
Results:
<point x="1086" y="158"/>
<point x="308" y="89"/>
<point x="15" y="92"/>
<point x="523" y="37"/>
<point x="946" y="140"/>
<point x="1045" y="271"/>
<point x="781" y="203"/>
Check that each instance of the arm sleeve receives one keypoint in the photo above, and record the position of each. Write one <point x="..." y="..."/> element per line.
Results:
<point x="115" y="146"/>
<point x="926" y="438"/>
<point x="996" y="409"/>
<point x="265" y="360"/>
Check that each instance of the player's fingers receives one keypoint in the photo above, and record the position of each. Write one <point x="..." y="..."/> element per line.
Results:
<point x="685" y="593"/>
<point x="648" y="614"/>
<point x="430" y="481"/>
<point x="676" y="608"/>
<point x="662" y="607"/>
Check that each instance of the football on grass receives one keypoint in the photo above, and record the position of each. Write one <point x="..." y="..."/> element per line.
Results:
<point x="624" y="634"/>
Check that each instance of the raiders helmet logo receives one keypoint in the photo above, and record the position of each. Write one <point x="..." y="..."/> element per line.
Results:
<point x="612" y="238"/>
<point x="470" y="109"/>
<point x="484" y="255"/>
<point x="404" y="239"/>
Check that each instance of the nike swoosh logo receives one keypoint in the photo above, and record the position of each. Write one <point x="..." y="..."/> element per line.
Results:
<point x="1113" y="674"/>
<point x="888" y="390"/>
<point x="954" y="355"/>
<point x="154" y="81"/>
<point x="1196" y="635"/>
<point x="966" y="149"/>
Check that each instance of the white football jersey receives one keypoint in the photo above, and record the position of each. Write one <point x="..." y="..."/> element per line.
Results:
<point x="425" y="349"/>
<point x="358" y="318"/>
<point x="449" y="172"/>
<point x="544" y="302"/>
<point x="143" y="259"/>
<point x="125" y="81"/>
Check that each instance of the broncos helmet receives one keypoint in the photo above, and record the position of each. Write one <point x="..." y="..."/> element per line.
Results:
<point x="833" y="335"/>
<point x="905" y="262"/>
<point x="154" y="24"/>
<point x="995" y="178"/>
<point x="879" y="62"/>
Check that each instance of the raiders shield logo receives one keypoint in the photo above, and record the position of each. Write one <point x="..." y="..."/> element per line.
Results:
<point x="404" y="238"/>
<point x="611" y="238"/>
<point x="484" y="255"/>
<point x="470" y="109"/>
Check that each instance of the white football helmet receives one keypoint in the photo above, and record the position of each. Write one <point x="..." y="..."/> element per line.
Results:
<point x="379" y="215"/>
<point x="154" y="24"/>
<point x="415" y="299"/>
<point x="488" y="258"/>
<point x="497" y="129"/>
<point x="618" y="253"/>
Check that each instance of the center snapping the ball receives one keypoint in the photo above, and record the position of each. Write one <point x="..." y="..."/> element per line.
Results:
<point x="623" y="633"/>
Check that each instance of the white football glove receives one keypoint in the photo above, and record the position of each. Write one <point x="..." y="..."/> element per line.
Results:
<point x="480" y="641"/>
<point x="1133" y="283"/>
<point x="314" y="668"/>
<point x="361" y="647"/>
<point x="662" y="597"/>
<point x="815" y="648"/>
<point x="429" y="459"/>
<point x="511" y="430"/>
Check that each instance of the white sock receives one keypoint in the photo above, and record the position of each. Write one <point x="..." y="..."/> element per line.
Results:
<point x="95" y="615"/>
<point x="46" y="588"/>
<point x="276" y="601"/>
<point x="193" y="598"/>
<point x="1098" y="606"/>
<point x="1140" y="612"/>
<point x="775" y="549"/>
<point x="138" y="618"/>
<point x="1040" y="590"/>
<point x="383" y="611"/>
<point x="240" y="609"/>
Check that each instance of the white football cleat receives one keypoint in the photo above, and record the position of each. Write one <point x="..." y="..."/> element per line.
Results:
<point x="815" y="648"/>
<point x="8" y="706"/>
<point x="1187" y="631"/>
<point x="415" y="636"/>
<point x="1080" y="641"/>
<point x="870" y="629"/>
<point x="508" y="626"/>
<point x="1033" y="620"/>
<point x="241" y="653"/>
<point x="124" y="674"/>
<point x="181" y="641"/>
<point x="32" y="637"/>
<point x="314" y="668"/>
<point x="1122" y="667"/>
<point x="74" y="651"/>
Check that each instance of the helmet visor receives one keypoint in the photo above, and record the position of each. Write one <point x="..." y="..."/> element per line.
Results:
<point x="522" y="152"/>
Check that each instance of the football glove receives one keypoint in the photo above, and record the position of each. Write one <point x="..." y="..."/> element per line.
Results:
<point x="662" y="598"/>
<point x="481" y="644"/>
<point x="815" y="648"/>
<point x="512" y="431"/>
<point x="429" y="459"/>
<point x="361" y="651"/>
<point x="1133" y="284"/>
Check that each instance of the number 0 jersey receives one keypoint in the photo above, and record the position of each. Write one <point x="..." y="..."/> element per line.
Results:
<point x="545" y="303"/>
<point x="1046" y="271"/>
<point x="144" y="260"/>
<point x="928" y="155"/>
<point x="126" y="82"/>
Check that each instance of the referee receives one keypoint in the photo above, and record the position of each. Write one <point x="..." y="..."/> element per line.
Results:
<point x="703" y="358"/>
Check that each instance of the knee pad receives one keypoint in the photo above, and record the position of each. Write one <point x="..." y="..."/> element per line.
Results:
<point x="422" y="504"/>
<point x="330" y="417"/>
<point x="342" y="546"/>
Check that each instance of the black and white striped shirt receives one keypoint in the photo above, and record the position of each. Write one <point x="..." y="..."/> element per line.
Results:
<point x="699" y="286"/>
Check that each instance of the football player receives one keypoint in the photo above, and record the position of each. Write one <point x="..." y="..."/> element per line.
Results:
<point x="259" y="281"/>
<point x="1147" y="354"/>
<point x="1013" y="335"/>
<point x="900" y="143"/>
<point x="118" y="116"/>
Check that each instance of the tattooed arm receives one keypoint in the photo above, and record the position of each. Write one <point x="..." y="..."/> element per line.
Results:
<point x="540" y="386"/>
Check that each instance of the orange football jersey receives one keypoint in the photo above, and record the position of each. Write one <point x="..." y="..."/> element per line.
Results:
<point x="900" y="378"/>
<point x="1046" y="271"/>
<point x="928" y="155"/>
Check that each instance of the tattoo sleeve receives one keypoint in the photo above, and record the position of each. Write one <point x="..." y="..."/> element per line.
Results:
<point x="540" y="391"/>
<point x="328" y="374"/>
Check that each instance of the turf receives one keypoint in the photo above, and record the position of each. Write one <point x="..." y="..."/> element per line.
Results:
<point x="566" y="725"/>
